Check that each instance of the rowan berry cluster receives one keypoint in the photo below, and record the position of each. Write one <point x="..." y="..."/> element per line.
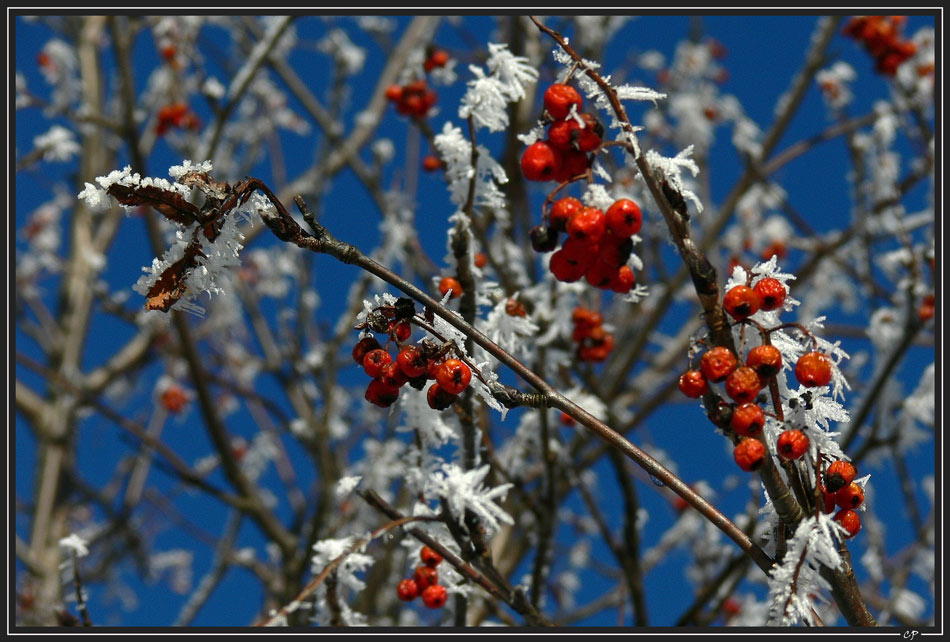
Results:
<point x="424" y="582"/>
<point x="416" y="98"/>
<point x="881" y="36"/>
<point x="743" y="382"/>
<point x="415" y="364"/>
<point x="598" y="244"/>
<point x="178" y="115"/>
<point x="412" y="99"/>
<point x="572" y="135"/>
<point x="839" y="490"/>
<point x="594" y="343"/>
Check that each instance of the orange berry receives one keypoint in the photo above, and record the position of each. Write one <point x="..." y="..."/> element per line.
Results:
<point x="741" y="302"/>
<point x="540" y="161"/>
<point x="407" y="590"/>
<point x="850" y="520"/>
<point x="450" y="283"/>
<point x="749" y="454"/>
<point x="766" y="360"/>
<point x="839" y="474"/>
<point x="743" y="384"/>
<point x="771" y="293"/>
<point x="748" y="419"/>
<point x="851" y="496"/>
<point x="792" y="444"/>
<point x="174" y="398"/>
<point x="813" y="369"/>
<point x="453" y="376"/>
<point x="558" y="99"/>
<point x="693" y="384"/>
<point x="718" y="363"/>
<point x="435" y="596"/>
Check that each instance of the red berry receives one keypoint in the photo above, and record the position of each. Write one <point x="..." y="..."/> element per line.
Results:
<point x="374" y="361"/>
<point x="392" y="375"/>
<point x="563" y="133"/>
<point x="741" y="302"/>
<point x="850" y="520"/>
<point x="771" y="293"/>
<point x="926" y="310"/>
<point x="362" y="347"/>
<point x="693" y="384"/>
<point x="566" y="268"/>
<point x="813" y="369"/>
<point x="453" y="376"/>
<point x="394" y="93"/>
<point x="573" y="163"/>
<point x="381" y="394"/>
<point x="480" y="259"/>
<point x="766" y="360"/>
<point x="600" y="274"/>
<point x="540" y="161"/>
<point x="514" y="308"/>
<point x="589" y="137"/>
<point x="450" y="283"/>
<point x="623" y="280"/>
<point x="439" y="399"/>
<point x="851" y="496"/>
<point x="587" y="225"/>
<point x="748" y="419"/>
<point x="401" y="330"/>
<point x="749" y="454"/>
<point x="792" y="444"/>
<point x="425" y="576"/>
<point x="438" y="58"/>
<point x="407" y="590"/>
<point x="562" y="210"/>
<point x="731" y="607"/>
<point x="435" y="596"/>
<point x="429" y="557"/>
<point x="839" y="474"/>
<point x="614" y="250"/>
<point x="624" y="218"/>
<point x="718" y="363"/>
<point x="743" y="384"/>
<point x="431" y="163"/>
<point x="412" y="360"/>
<point x="174" y="398"/>
<point x="558" y="99"/>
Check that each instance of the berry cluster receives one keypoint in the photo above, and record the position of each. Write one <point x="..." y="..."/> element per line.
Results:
<point x="593" y="342"/>
<point x="416" y="98"/>
<point x="598" y="244"/>
<point x="413" y="364"/>
<point x="743" y="383"/>
<point x="424" y="582"/>
<point x="412" y="99"/>
<point x="563" y="155"/>
<point x="839" y="490"/>
<point x="881" y="36"/>
<point x="175" y="115"/>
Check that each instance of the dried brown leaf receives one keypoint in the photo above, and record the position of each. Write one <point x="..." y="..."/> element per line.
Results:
<point x="171" y="205"/>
